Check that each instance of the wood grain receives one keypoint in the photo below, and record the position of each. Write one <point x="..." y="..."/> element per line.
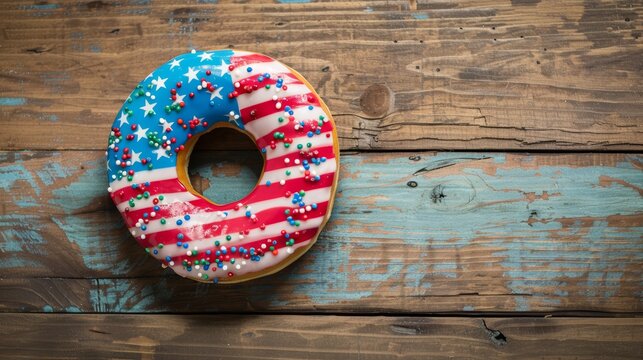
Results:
<point x="48" y="336"/>
<point x="410" y="232"/>
<point x="396" y="74"/>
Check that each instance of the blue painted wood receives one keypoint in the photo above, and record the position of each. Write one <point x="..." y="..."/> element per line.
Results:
<point x="409" y="232"/>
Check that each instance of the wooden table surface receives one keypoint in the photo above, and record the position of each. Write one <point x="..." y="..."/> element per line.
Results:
<point x="490" y="200"/>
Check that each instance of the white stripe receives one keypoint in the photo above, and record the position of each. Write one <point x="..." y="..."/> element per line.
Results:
<point x="168" y="199"/>
<point x="266" y="125"/>
<point x="263" y="95"/>
<point x="142" y="176"/>
<point x="250" y="266"/>
<point x="209" y="216"/>
<point x="273" y="68"/>
<point x="270" y="232"/>
<point x="297" y="171"/>
<point x="317" y="141"/>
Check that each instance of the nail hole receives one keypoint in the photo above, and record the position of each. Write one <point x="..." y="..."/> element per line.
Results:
<point x="545" y="49"/>
<point x="421" y="41"/>
<point x="493" y="28"/>
<point x="395" y="41"/>
<point x="522" y="37"/>
<point x="538" y="62"/>
<point x="325" y="68"/>
<point x="412" y="184"/>
<point x="437" y="69"/>
<point x="415" y="157"/>
<point x="627" y="19"/>
<point x="417" y="67"/>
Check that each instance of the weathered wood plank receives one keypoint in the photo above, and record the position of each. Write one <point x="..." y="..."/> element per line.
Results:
<point x="48" y="336"/>
<point x="411" y="232"/>
<point x="396" y="74"/>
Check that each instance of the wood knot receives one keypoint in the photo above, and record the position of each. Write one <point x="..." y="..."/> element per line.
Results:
<point x="377" y="100"/>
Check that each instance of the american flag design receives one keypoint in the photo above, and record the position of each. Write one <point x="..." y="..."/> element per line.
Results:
<point x="188" y="96"/>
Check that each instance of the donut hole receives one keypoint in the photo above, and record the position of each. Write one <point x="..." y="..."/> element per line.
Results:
<point x="225" y="165"/>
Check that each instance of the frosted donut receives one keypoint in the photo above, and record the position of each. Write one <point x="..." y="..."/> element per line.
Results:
<point x="150" y="145"/>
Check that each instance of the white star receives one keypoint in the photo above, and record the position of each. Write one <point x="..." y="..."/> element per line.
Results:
<point x="179" y="98"/>
<point x="123" y="119"/>
<point x="216" y="94"/>
<point x="149" y="75"/>
<point x="148" y="108"/>
<point x="160" y="83"/>
<point x="233" y="118"/>
<point x="108" y="167"/>
<point x="141" y="133"/>
<point x="205" y="56"/>
<point x="175" y="63"/>
<point x="191" y="74"/>
<point x="136" y="157"/>
<point x="222" y="69"/>
<point x="160" y="152"/>
<point x="166" y="125"/>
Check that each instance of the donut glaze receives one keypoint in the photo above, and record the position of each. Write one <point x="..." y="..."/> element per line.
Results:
<point x="151" y="141"/>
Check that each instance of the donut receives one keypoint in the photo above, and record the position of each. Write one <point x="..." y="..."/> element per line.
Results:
<point x="149" y="149"/>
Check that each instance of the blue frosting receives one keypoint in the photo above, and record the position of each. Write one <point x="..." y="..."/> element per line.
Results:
<point x="151" y="101"/>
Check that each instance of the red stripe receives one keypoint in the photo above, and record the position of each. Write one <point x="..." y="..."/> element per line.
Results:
<point x="278" y="162"/>
<point x="241" y="60"/>
<point x="289" y="132"/>
<point x="246" y="84"/>
<point x="269" y="107"/>
<point x="159" y="187"/>
<point x="303" y="236"/>
<point x="226" y="226"/>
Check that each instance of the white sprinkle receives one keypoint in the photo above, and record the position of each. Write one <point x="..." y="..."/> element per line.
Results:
<point x="286" y="160"/>
<point x="236" y="84"/>
<point x="282" y="182"/>
<point x="297" y="162"/>
<point x="238" y="266"/>
<point x="289" y="250"/>
<point x="143" y="237"/>
<point x="189" y="253"/>
<point x="225" y="267"/>
<point x="278" y="105"/>
<point x="199" y="87"/>
<point x="274" y="97"/>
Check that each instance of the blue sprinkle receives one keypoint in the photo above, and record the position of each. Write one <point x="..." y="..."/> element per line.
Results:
<point x="145" y="215"/>
<point x="185" y="246"/>
<point x="287" y="236"/>
<point x="309" y="134"/>
<point x="156" y="252"/>
<point x="274" y="242"/>
<point x="249" y="69"/>
<point x="215" y="280"/>
<point x="206" y="267"/>
<point x="211" y="103"/>
<point x="314" y="205"/>
<point x="248" y="213"/>
<point x="179" y="243"/>
<point x="317" y="178"/>
<point x="263" y="150"/>
<point x="224" y="251"/>
<point x="134" y="186"/>
<point x="147" y="183"/>
<point x="143" y="227"/>
<point x="233" y="249"/>
<point x="287" y="108"/>
<point x="291" y="112"/>
<point x="208" y="251"/>
<point x="318" y="131"/>
<point x="179" y="236"/>
<point x="157" y="208"/>
<point x="218" y="253"/>
<point x="266" y="75"/>
<point x="187" y="217"/>
<point x="268" y="183"/>
<point x="179" y="222"/>
<point x="310" y="107"/>
<point x="260" y="78"/>
<point x="168" y="258"/>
